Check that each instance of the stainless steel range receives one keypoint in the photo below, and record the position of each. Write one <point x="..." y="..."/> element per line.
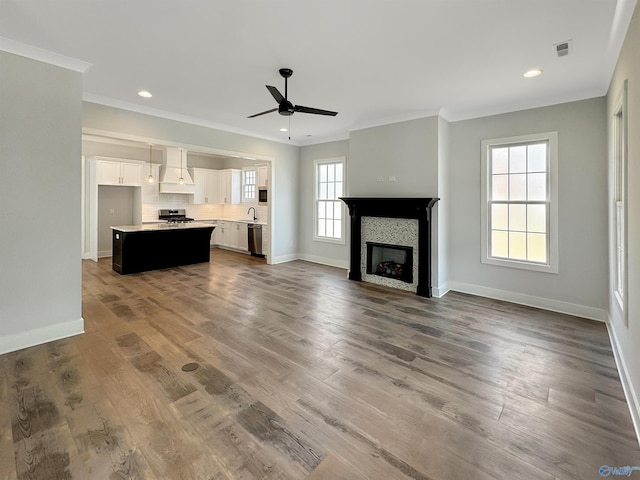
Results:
<point x="177" y="215"/>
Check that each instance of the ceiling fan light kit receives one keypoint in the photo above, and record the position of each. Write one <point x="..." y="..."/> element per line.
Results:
<point x="285" y="107"/>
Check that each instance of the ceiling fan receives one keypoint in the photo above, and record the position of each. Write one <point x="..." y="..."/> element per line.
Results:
<point x="285" y="107"/>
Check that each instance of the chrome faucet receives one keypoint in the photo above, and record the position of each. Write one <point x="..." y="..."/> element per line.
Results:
<point x="254" y="213"/>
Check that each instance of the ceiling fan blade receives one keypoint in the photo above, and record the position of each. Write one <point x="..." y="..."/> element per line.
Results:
<point x="276" y="94"/>
<point x="317" y="111"/>
<point x="262" y="113"/>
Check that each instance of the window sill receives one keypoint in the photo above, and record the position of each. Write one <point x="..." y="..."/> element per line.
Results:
<point x="534" y="267"/>
<point x="335" y="241"/>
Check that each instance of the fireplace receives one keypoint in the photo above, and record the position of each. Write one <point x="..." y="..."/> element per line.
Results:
<point x="391" y="261"/>
<point x="396" y="222"/>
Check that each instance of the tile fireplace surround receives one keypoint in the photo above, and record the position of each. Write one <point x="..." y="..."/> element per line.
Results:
<point x="418" y="236"/>
<point x="390" y="231"/>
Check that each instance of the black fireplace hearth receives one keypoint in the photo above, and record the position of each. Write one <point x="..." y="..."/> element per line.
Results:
<point x="411" y="208"/>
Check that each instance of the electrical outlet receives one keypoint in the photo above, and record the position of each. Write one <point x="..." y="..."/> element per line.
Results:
<point x="380" y="179"/>
<point x="392" y="179"/>
<point x="111" y="211"/>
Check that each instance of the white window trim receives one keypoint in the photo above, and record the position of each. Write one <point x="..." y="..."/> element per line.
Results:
<point x="553" y="265"/>
<point x="619" y="189"/>
<point x="316" y="162"/>
<point x="255" y="196"/>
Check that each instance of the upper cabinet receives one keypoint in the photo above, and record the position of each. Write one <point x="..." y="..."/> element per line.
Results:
<point x="151" y="191"/>
<point x="217" y="186"/>
<point x="263" y="176"/>
<point x="114" y="172"/>
<point x="229" y="186"/>
<point x="206" y="181"/>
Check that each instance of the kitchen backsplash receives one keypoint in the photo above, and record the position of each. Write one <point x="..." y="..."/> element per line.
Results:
<point x="201" y="212"/>
<point x="239" y="212"/>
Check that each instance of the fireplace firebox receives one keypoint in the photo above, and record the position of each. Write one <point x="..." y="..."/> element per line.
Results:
<point x="392" y="261"/>
<point x="410" y="208"/>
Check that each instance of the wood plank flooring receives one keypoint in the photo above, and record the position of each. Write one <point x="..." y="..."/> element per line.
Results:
<point x="305" y="374"/>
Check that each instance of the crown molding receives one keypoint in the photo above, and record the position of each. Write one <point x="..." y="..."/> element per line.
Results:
<point x="35" y="53"/>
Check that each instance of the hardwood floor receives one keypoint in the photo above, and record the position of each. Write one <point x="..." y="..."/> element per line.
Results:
<point x="305" y="374"/>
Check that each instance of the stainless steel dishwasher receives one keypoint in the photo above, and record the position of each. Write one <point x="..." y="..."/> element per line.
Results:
<point x="255" y="239"/>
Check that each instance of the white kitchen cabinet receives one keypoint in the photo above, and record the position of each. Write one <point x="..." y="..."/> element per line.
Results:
<point x="108" y="172"/>
<point x="263" y="176"/>
<point x="231" y="235"/>
<point x="221" y="234"/>
<point x="215" y="234"/>
<point x="132" y="174"/>
<point x="206" y="181"/>
<point x="241" y="237"/>
<point x="113" y="172"/>
<point x="151" y="191"/>
<point x="229" y="186"/>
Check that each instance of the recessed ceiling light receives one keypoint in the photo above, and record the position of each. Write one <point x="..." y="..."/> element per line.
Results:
<point x="532" y="73"/>
<point x="283" y="129"/>
<point x="145" y="94"/>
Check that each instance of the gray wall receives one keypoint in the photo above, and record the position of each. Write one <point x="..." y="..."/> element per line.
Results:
<point x="91" y="148"/>
<point x="115" y="207"/>
<point x="627" y="337"/>
<point x="40" y="182"/>
<point x="205" y="161"/>
<point x="322" y="252"/>
<point x="582" y="280"/>
<point x="284" y="169"/>
<point x="406" y="150"/>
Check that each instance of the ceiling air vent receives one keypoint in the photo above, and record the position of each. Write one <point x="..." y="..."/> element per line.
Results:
<point x="562" y="49"/>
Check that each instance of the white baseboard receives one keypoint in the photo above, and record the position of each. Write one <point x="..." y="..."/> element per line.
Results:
<point x="284" y="258"/>
<point x="18" y="341"/>
<point x="441" y="290"/>
<point x="532" y="301"/>
<point x="104" y="253"/>
<point x="331" y="262"/>
<point x="625" y="379"/>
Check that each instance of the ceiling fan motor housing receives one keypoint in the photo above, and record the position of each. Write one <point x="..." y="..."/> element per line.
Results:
<point x="286" y="108"/>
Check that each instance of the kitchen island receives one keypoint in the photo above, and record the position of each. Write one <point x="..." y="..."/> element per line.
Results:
<point x="138" y="248"/>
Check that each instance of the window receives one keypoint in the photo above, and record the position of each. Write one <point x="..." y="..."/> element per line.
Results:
<point x="329" y="209"/>
<point x="519" y="202"/>
<point x="618" y="153"/>
<point x="249" y="184"/>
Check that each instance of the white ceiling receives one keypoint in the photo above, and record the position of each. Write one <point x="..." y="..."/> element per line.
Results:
<point x="374" y="61"/>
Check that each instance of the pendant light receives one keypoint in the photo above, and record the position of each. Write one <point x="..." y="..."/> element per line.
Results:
<point x="150" y="177"/>
<point x="181" y="179"/>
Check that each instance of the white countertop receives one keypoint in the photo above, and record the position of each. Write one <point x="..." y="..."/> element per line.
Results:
<point x="257" y="222"/>
<point x="150" y="227"/>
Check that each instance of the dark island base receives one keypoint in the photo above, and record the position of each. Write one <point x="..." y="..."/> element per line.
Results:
<point x="151" y="250"/>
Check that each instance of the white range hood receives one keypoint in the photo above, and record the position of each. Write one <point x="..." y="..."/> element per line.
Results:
<point x="175" y="169"/>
